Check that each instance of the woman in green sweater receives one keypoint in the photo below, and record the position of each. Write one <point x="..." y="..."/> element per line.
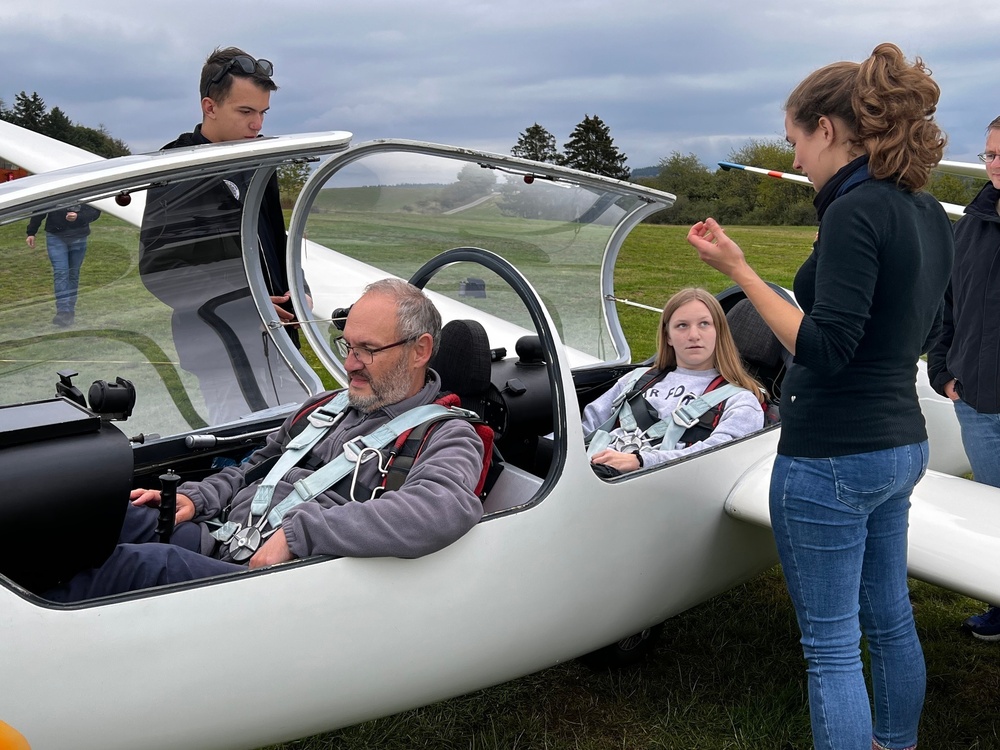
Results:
<point x="853" y="441"/>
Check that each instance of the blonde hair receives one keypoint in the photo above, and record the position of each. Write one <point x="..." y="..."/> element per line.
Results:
<point x="726" y="355"/>
<point x="888" y="105"/>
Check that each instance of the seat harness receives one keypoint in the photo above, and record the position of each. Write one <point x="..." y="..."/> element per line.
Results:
<point x="245" y="539"/>
<point x="669" y="430"/>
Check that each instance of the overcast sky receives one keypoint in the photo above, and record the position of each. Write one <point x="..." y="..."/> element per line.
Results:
<point x="692" y="77"/>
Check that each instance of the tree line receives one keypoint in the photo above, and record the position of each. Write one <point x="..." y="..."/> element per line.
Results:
<point x="730" y="196"/>
<point x="30" y="112"/>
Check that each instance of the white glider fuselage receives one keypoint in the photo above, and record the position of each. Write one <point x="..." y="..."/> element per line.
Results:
<point x="563" y="563"/>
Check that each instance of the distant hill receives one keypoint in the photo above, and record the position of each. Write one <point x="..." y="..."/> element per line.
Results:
<point x="646" y="172"/>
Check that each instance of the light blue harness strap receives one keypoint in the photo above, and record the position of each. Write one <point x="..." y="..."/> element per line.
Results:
<point x="325" y="477"/>
<point x="619" y="405"/>
<point x="599" y="440"/>
<point x="321" y="421"/>
<point x="687" y="415"/>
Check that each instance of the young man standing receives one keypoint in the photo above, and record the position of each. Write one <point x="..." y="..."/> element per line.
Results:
<point x="191" y="252"/>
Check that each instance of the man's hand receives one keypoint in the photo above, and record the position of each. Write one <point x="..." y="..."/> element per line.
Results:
<point x="616" y="460"/>
<point x="31" y="241"/>
<point x="949" y="390"/>
<point x="185" y="505"/>
<point x="283" y="315"/>
<point x="275" y="550"/>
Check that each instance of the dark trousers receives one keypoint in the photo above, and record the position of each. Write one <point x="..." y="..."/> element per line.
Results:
<point x="140" y="561"/>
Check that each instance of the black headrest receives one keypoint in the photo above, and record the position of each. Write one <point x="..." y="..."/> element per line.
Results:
<point x="755" y="341"/>
<point x="463" y="359"/>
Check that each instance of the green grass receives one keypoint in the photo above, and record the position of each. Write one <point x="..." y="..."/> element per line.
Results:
<point x="727" y="674"/>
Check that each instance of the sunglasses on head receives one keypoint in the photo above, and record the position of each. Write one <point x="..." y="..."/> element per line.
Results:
<point x="246" y="64"/>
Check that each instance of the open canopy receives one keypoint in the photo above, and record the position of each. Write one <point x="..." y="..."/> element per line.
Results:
<point x="378" y="209"/>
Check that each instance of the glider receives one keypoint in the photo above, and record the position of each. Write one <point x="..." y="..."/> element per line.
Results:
<point x="563" y="563"/>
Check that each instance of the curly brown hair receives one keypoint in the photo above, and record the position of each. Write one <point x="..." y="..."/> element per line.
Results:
<point x="887" y="103"/>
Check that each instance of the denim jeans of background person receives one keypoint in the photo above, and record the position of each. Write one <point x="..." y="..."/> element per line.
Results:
<point x="853" y="437"/>
<point x="66" y="233"/>
<point x="825" y="513"/>
<point x="963" y="365"/>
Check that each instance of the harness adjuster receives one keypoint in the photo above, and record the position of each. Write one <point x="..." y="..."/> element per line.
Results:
<point x="355" y="450"/>
<point x="321" y="419"/>
<point x="681" y="417"/>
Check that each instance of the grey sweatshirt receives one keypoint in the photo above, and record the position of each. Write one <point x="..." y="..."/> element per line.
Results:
<point x="435" y="506"/>
<point x="741" y="416"/>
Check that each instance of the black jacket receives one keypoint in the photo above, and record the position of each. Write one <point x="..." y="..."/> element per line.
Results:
<point x="56" y="222"/>
<point x="197" y="222"/>
<point x="872" y="294"/>
<point x="969" y="347"/>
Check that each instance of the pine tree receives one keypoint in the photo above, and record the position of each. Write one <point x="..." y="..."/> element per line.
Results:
<point x="538" y="144"/>
<point x="58" y="125"/>
<point x="592" y="149"/>
<point x="29" y="112"/>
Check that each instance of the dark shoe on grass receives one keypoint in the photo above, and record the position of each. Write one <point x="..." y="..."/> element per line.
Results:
<point x="986" y="626"/>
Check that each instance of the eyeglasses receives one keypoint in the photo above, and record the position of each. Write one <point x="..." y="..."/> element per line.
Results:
<point x="364" y="355"/>
<point x="987" y="158"/>
<point x="245" y="63"/>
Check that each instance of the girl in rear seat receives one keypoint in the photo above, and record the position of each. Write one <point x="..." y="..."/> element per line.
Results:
<point x="637" y="423"/>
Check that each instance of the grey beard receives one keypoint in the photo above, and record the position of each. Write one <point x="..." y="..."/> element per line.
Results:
<point x="392" y="388"/>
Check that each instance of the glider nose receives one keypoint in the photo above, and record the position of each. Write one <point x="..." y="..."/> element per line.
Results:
<point x="11" y="739"/>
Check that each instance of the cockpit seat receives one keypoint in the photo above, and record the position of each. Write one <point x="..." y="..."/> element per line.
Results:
<point x="761" y="352"/>
<point x="463" y="362"/>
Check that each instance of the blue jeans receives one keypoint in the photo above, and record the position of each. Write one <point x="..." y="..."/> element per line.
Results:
<point x="140" y="561"/>
<point x="981" y="440"/>
<point x="840" y="526"/>
<point x="66" y="256"/>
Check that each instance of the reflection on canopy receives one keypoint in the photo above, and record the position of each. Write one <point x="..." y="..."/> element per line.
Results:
<point x="396" y="209"/>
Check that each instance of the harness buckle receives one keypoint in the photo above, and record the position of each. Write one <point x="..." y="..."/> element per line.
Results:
<point x="320" y="418"/>
<point x="355" y="450"/>
<point x="244" y="543"/>
<point x="680" y="417"/>
<point x="628" y="442"/>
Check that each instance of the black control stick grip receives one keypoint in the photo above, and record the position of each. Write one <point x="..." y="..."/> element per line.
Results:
<point x="168" y="505"/>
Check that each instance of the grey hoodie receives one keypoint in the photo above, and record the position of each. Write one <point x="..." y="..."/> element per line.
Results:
<point x="435" y="506"/>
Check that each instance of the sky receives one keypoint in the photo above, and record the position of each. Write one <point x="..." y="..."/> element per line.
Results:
<point x="665" y="76"/>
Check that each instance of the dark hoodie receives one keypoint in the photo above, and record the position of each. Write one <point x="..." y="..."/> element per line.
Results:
<point x="969" y="347"/>
<point x="197" y="221"/>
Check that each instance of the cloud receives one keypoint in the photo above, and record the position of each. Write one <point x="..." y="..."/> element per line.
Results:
<point x="697" y="79"/>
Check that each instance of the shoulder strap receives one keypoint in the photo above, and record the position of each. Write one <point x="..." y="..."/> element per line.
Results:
<point x="650" y="376"/>
<point x="689" y="414"/>
<point x="640" y="376"/>
<point x="320" y="480"/>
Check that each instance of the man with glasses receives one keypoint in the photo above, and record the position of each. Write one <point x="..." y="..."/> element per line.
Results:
<point x="964" y="365"/>
<point x="389" y="338"/>
<point x="191" y="255"/>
